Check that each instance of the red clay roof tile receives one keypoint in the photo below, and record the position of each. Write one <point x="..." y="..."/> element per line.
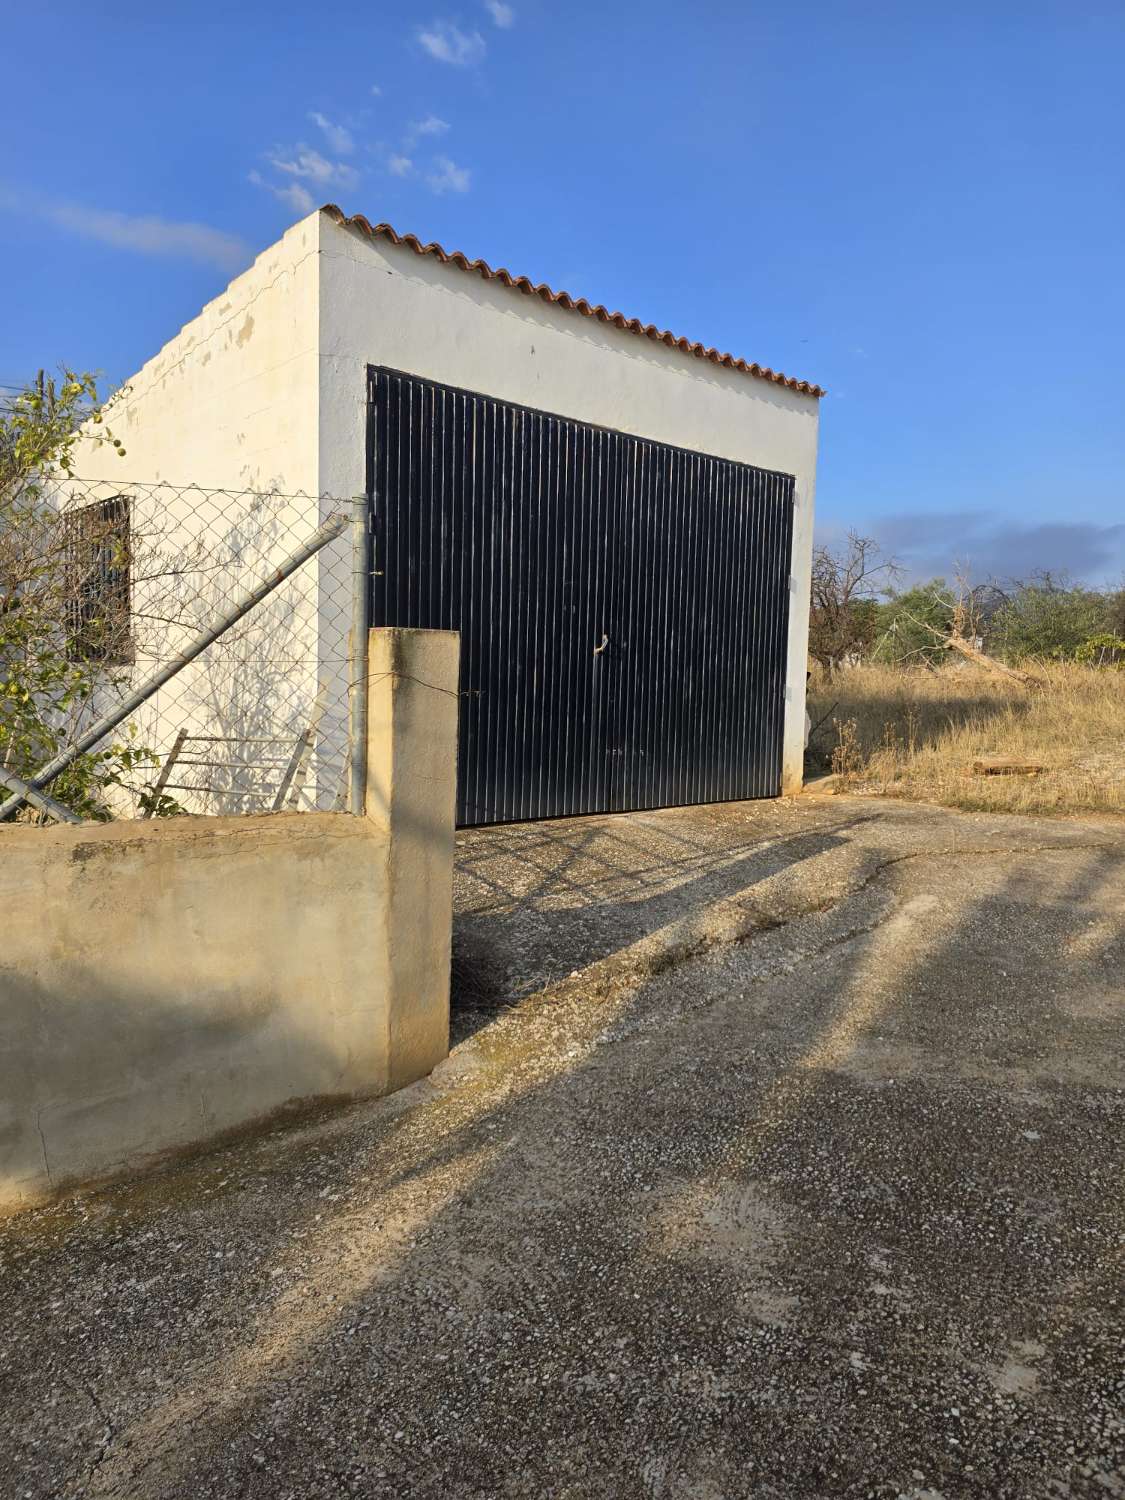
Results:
<point x="564" y="299"/>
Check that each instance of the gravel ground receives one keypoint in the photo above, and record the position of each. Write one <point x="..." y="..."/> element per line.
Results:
<point x="781" y="1155"/>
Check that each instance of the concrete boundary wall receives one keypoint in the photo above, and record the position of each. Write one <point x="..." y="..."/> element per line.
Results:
<point x="163" y="982"/>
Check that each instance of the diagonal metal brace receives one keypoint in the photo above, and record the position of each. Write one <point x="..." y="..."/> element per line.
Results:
<point x="43" y="777"/>
<point x="39" y="800"/>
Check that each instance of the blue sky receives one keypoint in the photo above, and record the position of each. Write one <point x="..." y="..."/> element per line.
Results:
<point x="921" y="207"/>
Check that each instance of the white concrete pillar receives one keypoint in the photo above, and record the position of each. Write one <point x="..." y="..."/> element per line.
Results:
<point x="411" y="792"/>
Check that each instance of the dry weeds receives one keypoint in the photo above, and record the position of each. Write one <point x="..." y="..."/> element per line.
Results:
<point x="914" y="732"/>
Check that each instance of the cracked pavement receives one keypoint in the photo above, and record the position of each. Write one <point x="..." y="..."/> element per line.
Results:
<point x="780" y="1154"/>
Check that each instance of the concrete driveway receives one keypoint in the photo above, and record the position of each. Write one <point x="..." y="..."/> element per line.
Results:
<point x="782" y="1155"/>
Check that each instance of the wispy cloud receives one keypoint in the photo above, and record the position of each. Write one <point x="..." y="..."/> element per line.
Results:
<point x="338" y="137"/>
<point x="447" y="43"/>
<point x="303" y="162"/>
<point x="144" y="234"/>
<point x="400" y="166"/>
<point x="376" y="90"/>
<point x="502" y="15"/>
<point x="431" y="126"/>
<point x="448" y="177"/>
<point x="294" y="194"/>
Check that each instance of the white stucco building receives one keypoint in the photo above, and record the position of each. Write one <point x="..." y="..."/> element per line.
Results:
<point x="618" y="521"/>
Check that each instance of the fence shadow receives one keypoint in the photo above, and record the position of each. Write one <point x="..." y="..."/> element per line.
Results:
<point x="638" y="1270"/>
<point x="536" y="902"/>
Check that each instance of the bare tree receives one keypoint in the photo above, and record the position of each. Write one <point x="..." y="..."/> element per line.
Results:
<point x="846" y="586"/>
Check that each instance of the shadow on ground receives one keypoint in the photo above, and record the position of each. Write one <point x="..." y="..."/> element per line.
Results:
<point x="829" y="1209"/>
<point x="539" y="902"/>
<point x="929" y="722"/>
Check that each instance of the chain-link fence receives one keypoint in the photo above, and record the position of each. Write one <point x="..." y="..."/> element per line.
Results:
<point x="102" y="584"/>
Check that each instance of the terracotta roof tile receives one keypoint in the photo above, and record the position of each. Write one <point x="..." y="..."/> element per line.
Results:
<point x="564" y="299"/>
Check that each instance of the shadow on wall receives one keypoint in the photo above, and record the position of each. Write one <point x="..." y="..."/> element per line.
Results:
<point x="193" y="555"/>
<point x="198" y="1064"/>
<point x="460" y="1225"/>
<point x="193" y="974"/>
<point x="255" y="688"/>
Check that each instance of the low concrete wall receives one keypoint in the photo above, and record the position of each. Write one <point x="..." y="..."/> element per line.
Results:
<point x="162" y="982"/>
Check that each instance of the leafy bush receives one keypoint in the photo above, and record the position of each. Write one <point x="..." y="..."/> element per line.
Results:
<point x="1103" y="650"/>
<point x="907" y="622"/>
<point x="57" y="654"/>
<point x="1047" y="619"/>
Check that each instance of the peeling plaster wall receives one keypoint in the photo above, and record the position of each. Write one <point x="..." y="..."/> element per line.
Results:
<point x="230" y="404"/>
<point x="386" y="305"/>
<point x="231" y="401"/>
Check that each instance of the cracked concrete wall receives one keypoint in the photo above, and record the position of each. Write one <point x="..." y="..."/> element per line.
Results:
<point x="162" y="982"/>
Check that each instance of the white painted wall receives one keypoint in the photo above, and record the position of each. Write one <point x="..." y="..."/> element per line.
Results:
<point x="384" y="304"/>
<point x="225" y="414"/>
<point x="266" y="391"/>
<point x="231" y="401"/>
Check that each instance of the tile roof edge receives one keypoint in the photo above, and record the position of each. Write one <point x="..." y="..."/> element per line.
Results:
<point x="565" y="300"/>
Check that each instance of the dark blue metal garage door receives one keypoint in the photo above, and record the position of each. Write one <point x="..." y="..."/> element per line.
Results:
<point x="623" y="604"/>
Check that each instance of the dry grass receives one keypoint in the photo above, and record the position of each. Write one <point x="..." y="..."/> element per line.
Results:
<point x="913" y="732"/>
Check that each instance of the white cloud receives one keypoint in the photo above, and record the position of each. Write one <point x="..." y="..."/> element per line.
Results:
<point x="145" y="234"/>
<point x="376" y="90"/>
<point x="447" y="43"/>
<point x="448" y="177"/>
<point x="400" y="166"/>
<point x="303" y="161"/>
<point x="339" y="139"/>
<point x="503" y="15"/>
<point x="293" y="193"/>
<point x="430" y="126"/>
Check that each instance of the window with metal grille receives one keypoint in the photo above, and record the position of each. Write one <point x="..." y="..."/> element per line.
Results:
<point x="99" y="582"/>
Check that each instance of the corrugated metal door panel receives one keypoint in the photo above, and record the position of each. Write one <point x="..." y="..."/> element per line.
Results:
<point x="623" y="604"/>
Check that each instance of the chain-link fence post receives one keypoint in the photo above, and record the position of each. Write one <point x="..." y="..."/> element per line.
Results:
<point x="358" y="654"/>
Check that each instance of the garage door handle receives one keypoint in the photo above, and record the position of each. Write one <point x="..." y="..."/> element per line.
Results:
<point x="599" y="649"/>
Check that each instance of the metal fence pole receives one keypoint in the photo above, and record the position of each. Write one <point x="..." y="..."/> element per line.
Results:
<point x="320" y="538"/>
<point x="39" y="800"/>
<point x="358" y="655"/>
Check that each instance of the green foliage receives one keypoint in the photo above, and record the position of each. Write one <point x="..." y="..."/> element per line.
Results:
<point x="41" y="427"/>
<point x="908" y="619"/>
<point x="1049" y="620"/>
<point x="845" y="632"/>
<point x="1104" y="650"/>
<point x="49" y="689"/>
